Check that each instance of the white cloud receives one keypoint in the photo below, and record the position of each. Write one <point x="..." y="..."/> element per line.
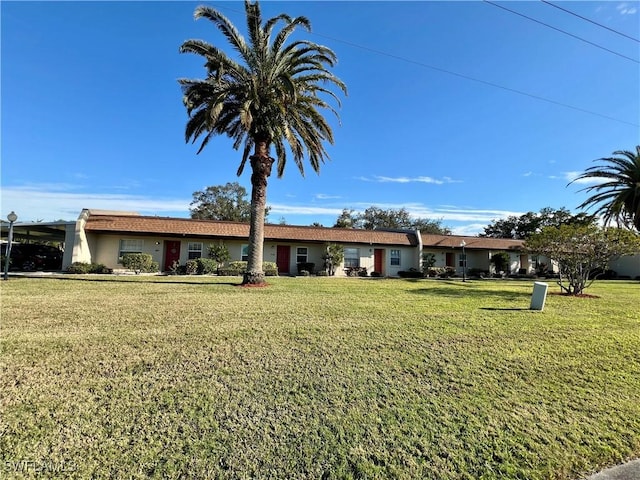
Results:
<point x="420" y="179"/>
<point x="573" y="177"/>
<point x="323" y="196"/>
<point x="626" y="9"/>
<point x="49" y="202"/>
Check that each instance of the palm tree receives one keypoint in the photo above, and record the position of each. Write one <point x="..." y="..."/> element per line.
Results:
<point x="271" y="96"/>
<point x="618" y="196"/>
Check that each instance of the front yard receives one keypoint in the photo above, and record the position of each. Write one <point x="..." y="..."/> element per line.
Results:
<point x="183" y="377"/>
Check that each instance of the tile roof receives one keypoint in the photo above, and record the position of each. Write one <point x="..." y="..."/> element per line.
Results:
<point x="209" y="228"/>
<point x="473" y="243"/>
<point x="183" y="227"/>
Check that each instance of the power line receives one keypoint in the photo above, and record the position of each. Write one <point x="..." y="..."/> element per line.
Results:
<point x="562" y="31"/>
<point x="473" y="79"/>
<point x="466" y="77"/>
<point x="590" y="21"/>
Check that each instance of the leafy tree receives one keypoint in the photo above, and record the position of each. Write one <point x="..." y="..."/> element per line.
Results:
<point x="434" y="227"/>
<point x="375" y="217"/>
<point x="222" y="202"/>
<point x="270" y="93"/>
<point x="219" y="253"/>
<point x="523" y="226"/>
<point x="317" y="224"/>
<point x="619" y="196"/>
<point x="347" y="219"/>
<point x="334" y="255"/>
<point x="501" y="261"/>
<point x="580" y="250"/>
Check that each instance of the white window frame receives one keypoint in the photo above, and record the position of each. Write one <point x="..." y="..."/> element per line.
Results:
<point x="244" y="253"/>
<point x="352" y="261"/>
<point x="302" y="257"/>
<point x="194" y="250"/>
<point x="130" y="245"/>
<point x="394" y="257"/>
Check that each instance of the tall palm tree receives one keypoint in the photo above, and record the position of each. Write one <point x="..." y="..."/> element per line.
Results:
<point x="618" y="196"/>
<point x="271" y="96"/>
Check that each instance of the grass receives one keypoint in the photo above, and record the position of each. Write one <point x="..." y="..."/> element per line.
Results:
<point x="181" y="377"/>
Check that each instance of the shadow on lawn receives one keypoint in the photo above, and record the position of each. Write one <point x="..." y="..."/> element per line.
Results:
<point x="479" y="293"/>
<point x="144" y="279"/>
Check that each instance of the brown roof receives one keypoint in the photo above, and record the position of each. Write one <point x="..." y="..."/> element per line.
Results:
<point x="209" y="228"/>
<point x="474" y="243"/>
<point x="130" y="223"/>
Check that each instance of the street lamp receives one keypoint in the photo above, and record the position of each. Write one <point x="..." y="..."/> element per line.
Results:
<point x="464" y="261"/>
<point x="12" y="217"/>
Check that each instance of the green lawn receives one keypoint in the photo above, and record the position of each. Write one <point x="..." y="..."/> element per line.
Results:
<point x="190" y="377"/>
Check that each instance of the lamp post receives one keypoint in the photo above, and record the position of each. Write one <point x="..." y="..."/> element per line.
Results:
<point x="12" y="217"/>
<point x="464" y="261"/>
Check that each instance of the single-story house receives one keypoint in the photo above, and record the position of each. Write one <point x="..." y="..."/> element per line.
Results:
<point x="100" y="236"/>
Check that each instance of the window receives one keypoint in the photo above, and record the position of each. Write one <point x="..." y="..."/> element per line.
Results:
<point x="351" y="257"/>
<point x="463" y="258"/>
<point x="244" y="253"/>
<point x="130" y="246"/>
<point x="301" y="254"/>
<point x="195" y="250"/>
<point x="395" y="257"/>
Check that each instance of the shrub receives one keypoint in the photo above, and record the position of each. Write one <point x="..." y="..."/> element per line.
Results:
<point x="239" y="267"/>
<point x="270" y="269"/>
<point x="305" y="266"/>
<point x="376" y="274"/>
<point x="411" y="273"/>
<point x="478" y="272"/>
<point x="191" y="267"/>
<point x="304" y="273"/>
<point x="83" y="267"/>
<point x="139" y="262"/>
<point x="322" y="273"/>
<point x="206" y="266"/>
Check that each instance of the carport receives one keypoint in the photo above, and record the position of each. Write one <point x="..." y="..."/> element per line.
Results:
<point x="62" y="232"/>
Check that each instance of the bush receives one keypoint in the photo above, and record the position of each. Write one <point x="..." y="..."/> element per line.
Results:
<point x="322" y="273"/>
<point x="303" y="273"/>
<point x="376" y="274"/>
<point x="305" y="266"/>
<point x="139" y="262"/>
<point x="478" y="272"/>
<point x="206" y="266"/>
<point x="238" y="268"/>
<point x="411" y="273"/>
<point x="80" y="268"/>
<point x="191" y="267"/>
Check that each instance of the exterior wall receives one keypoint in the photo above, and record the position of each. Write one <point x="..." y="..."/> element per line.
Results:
<point x="627" y="266"/>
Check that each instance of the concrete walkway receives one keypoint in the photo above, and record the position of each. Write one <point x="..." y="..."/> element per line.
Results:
<point x="626" y="471"/>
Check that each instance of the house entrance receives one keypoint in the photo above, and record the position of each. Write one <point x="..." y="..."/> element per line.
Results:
<point x="378" y="260"/>
<point x="283" y="255"/>
<point x="171" y="253"/>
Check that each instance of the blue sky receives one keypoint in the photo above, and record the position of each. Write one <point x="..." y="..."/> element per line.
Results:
<point x="92" y="114"/>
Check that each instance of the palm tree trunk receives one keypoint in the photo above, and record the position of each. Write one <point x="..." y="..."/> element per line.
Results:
<point x="261" y="164"/>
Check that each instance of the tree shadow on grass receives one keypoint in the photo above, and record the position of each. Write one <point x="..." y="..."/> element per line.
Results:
<point x="515" y="309"/>
<point x="121" y="279"/>
<point x="479" y="293"/>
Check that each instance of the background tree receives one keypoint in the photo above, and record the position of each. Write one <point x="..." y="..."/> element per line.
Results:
<point x="618" y="196"/>
<point x="222" y="202"/>
<point x="434" y="227"/>
<point x="271" y="96"/>
<point x="347" y="219"/>
<point x="396" y="219"/>
<point x="523" y="226"/>
<point x="581" y="250"/>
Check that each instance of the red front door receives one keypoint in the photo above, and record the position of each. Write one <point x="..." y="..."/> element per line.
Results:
<point x="171" y="253"/>
<point x="378" y="256"/>
<point x="283" y="255"/>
